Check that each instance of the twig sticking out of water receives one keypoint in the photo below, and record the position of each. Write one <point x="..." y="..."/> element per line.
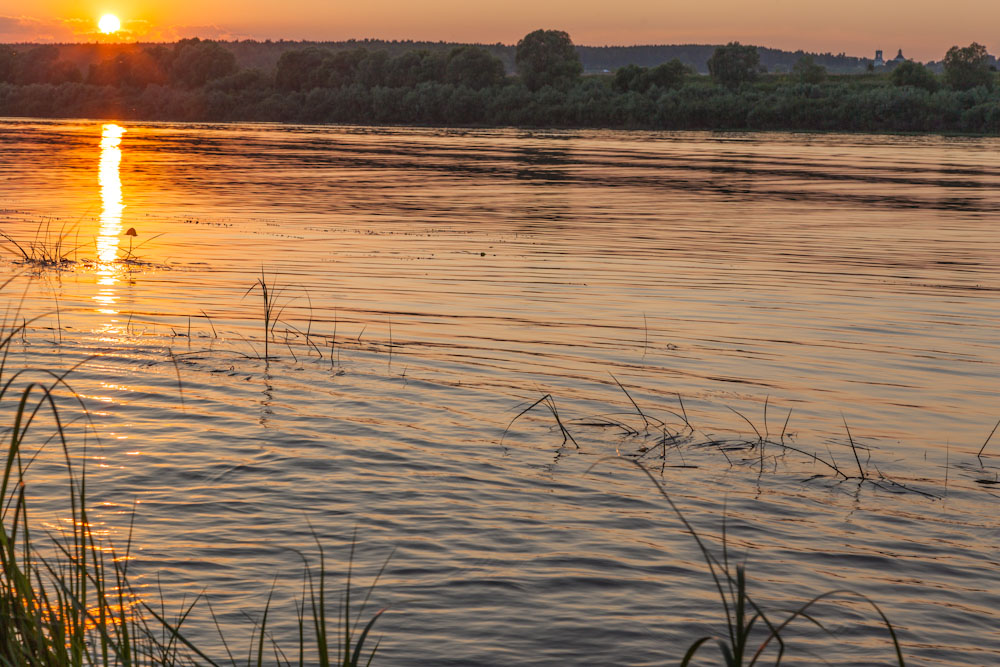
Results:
<point x="684" y="413"/>
<point x="645" y="342"/>
<point x="785" y="427"/>
<point x="759" y="436"/>
<point x="177" y="370"/>
<point x="214" y="332"/>
<point x="981" y="449"/>
<point x="686" y="437"/>
<point x="333" y="339"/>
<point x="767" y="431"/>
<point x="854" y="449"/>
<point x="645" y="419"/>
<point x="549" y="403"/>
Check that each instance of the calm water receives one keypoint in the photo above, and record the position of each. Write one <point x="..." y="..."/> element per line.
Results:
<point x="431" y="284"/>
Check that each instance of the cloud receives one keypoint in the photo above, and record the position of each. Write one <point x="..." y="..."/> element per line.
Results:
<point x="27" y="29"/>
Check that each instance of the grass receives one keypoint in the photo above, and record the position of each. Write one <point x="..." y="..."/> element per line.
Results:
<point x="76" y="607"/>
<point x="68" y="601"/>
<point x="72" y="603"/>
<point x="48" y="248"/>
<point x="665" y="436"/>
<point x="749" y="631"/>
<point x="271" y="313"/>
<point x="51" y="246"/>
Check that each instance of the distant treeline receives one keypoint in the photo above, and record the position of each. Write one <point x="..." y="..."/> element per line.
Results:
<point x="542" y="85"/>
<point x="595" y="59"/>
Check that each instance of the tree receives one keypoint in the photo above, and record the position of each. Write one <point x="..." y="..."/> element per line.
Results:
<point x="967" y="67"/>
<point x="548" y="58"/>
<point x="341" y="67"/>
<point x="734" y="64"/>
<point x="672" y="74"/>
<point x="474" y="67"/>
<point x="8" y="64"/>
<point x="633" y="78"/>
<point x="371" y="71"/>
<point x="627" y="78"/>
<point x="807" y="71"/>
<point x="197" y="62"/>
<point x="914" y="74"/>
<point x="301" y="69"/>
<point x="128" y="70"/>
<point x="403" y="71"/>
<point x="39" y="65"/>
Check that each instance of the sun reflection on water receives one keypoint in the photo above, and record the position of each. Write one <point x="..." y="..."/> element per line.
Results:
<point x="112" y="207"/>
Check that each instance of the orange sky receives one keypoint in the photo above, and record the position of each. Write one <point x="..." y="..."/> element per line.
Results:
<point x="924" y="29"/>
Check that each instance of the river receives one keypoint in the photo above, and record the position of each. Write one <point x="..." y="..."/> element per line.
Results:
<point x="837" y="294"/>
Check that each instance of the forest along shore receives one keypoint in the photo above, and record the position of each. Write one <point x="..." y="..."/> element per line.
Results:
<point x="542" y="82"/>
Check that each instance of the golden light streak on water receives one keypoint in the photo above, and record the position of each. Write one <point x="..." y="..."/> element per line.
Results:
<point x="111" y="193"/>
<point x="112" y="207"/>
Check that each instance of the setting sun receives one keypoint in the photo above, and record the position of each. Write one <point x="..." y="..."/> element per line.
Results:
<point x="109" y="23"/>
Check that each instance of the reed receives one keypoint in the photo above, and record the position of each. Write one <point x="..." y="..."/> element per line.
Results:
<point x="67" y="601"/>
<point x="548" y="402"/>
<point x="744" y="643"/>
<point x="72" y="604"/>
<point x="270" y="294"/>
<point x="50" y="246"/>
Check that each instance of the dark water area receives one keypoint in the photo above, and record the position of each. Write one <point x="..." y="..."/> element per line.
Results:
<point x="431" y="284"/>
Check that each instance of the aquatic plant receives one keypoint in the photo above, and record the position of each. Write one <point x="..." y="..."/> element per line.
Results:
<point x="741" y="645"/>
<point x="130" y="257"/>
<point x="69" y="602"/>
<point x="73" y="604"/>
<point x="270" y="293"/>
<point x="550" y="403"/>
<point x="48" y="247"/>
<point x="664" y="436"/>
<point x="65" y="605"/>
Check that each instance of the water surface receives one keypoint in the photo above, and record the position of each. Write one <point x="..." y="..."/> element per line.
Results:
<point x="430" y="284"/>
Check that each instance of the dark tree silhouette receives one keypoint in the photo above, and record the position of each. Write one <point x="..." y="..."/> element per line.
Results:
<point x="967" y="67"/>
<point x="197" y="62"/>
<point x="672" y="74"/>
<point x="8" y="64"/>
<point x="132" y="69"/>
<point x="301" y="69"/>
<point x="548" y="58"/>
<point x="474" y="67"/>
<point x="734" y="64"/>
<point x="807" y="71"/>
<point x="633" y="78"/>
<point x="438" y="84"/>
<point x="914" y="74"/>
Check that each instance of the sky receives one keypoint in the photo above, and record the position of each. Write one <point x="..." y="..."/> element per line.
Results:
<point x="923" y="29"/>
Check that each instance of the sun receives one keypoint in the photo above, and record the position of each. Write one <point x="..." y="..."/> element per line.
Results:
<point x="109" y="24"/>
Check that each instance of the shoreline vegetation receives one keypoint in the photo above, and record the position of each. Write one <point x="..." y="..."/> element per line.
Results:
<point x="543" y="84"/>
<point x="66" y="595"/>
<point x="70" y="601"/>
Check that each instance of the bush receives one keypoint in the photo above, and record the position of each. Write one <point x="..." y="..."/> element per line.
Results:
<point x="734" y="64"/>
<point x="968" y="67"/>
<point x="914" y="74"/>
<point x="807" y="71"/>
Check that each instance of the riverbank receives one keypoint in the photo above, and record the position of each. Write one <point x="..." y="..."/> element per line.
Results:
<point x="840" y="104"/>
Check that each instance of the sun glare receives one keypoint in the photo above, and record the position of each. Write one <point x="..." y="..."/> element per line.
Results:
<point x="109" y="23"/>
